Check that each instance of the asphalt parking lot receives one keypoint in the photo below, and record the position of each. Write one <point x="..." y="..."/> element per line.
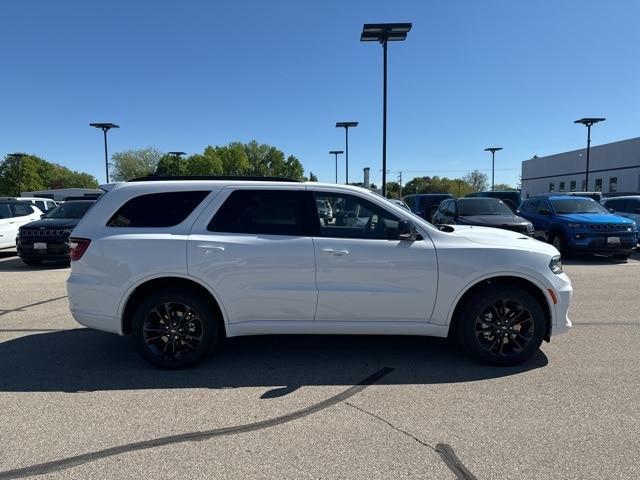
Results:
<point x="76" y="403"/>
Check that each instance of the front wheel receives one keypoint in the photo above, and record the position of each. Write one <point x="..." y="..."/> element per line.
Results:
<point x="622" y="256"/>
<point x="501" y="325"/>
<point x="558" y="241"/>
<point x="174" y="328"/>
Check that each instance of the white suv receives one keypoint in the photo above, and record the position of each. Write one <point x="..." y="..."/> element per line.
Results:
<point x="180" y="264"/>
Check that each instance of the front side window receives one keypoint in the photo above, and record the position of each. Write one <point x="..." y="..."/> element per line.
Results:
<point x="543" y="207"/>
<point x="22" y="210"/>
<point x="266" y="212"/>
<point x="613" y="184"/>
<point x="157" y="209"/>
<point x="355" y="217"/>
<point x="531" y="206"/>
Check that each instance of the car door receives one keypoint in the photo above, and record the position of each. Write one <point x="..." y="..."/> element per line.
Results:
<point x="544" y="219"/>
<point x="256" y="253"/>
<point x="8" y="228"/>
<point x="364" y="273"/>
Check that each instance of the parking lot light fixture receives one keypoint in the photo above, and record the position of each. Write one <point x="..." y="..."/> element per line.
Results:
<point x="588" y="121"/>
<point x="18" y="158"/>
<point x="346" y="126"/>
<point x="493" y="151"/>
<point x="177" y="154"/>
<point x="384" y="33"/>
<point x="105" y="127"/>
<point x="336" y="153"/>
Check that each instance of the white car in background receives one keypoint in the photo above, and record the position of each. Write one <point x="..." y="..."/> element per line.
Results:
<point x="13" y="215"/>
<point x="179" y="264"/>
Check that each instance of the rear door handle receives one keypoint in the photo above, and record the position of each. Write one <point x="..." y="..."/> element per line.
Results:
<point x="219" y="248"/>
<point x="336" y="252"/>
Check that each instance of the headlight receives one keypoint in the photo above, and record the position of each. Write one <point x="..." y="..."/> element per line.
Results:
<point x="575" y="225"/>
<point x="556" y="265"/>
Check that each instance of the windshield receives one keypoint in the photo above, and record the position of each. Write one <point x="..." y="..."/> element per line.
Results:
<point x="577" y="205"/>
<point x="69" y="210"/>
<point x="482" y="206"/>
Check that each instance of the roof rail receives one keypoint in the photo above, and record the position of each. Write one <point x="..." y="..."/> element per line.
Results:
<point x="155" y="178"/>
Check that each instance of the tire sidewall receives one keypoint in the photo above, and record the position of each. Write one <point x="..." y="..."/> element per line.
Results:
<point x="198" y="304"/>
<point x="474" y="307"/>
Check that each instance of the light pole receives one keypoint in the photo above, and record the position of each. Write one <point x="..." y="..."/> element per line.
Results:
<point x="383" y="33"/>
<point x="588" y="122"/>
<point x="346" y="126"/>
<point x="493" y="151"/>
<point x="105" y="127"/>
<point x="336" y="153"/>
<point x="18" y="157"/>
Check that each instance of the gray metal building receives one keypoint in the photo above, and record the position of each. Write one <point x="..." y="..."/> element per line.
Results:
<point x="613" y="167"/>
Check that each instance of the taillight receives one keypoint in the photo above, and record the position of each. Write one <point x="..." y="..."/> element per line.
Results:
<point x="77" y="247"/>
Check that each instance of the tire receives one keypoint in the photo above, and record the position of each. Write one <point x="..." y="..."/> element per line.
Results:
<point x="480" y="334"/>
<point x="557" y="240"/>
<point x="622" y="256"/>
<point x="185" y="341"/>
<point x="32" y="262"/>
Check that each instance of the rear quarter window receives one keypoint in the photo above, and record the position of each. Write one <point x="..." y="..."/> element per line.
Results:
<point x="157" y="209"/>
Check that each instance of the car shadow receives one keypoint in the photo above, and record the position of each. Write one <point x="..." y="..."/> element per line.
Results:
<point x="591" y="259"/>
<point x="86" y="360"/>
<point x="17" y="265"/>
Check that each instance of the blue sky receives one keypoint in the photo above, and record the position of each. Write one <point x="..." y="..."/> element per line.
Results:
<point x="183" y="75"/>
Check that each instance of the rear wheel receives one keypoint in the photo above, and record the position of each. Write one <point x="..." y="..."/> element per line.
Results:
<point x="501" y="325"/>
<point x="174" y="328"/>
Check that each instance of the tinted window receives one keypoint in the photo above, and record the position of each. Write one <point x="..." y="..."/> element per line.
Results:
<point x="20" y="210"/>
<point x="157" y="209"/>
<point x="69" y="210"/>
<point x="268" y="212"/>
<point x="618" y="205"/>
<point x="5" y="211"/>
<point x="531" y="207"/>
<point x="410" y="201"/>
<point x="544" y="206"/>
<point x="355" y="217"/>
<point x="482" y="206"/>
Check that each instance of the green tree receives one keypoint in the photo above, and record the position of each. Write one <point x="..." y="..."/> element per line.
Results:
<point x="393" y="190"/>
<point x="134" y="163"/>
<point x="208" y="163"/>
<point x="234" y="159"/>
<point x="38" y="174"/>
<point x="477" y="180"/>
<point x="171" y="165"/>
<point x="504" y="187"/>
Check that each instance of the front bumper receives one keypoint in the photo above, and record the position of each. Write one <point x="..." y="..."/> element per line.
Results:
<point x="563" y="291"/>
<point x="55" y="249"/>
<point x="599" y="243"/>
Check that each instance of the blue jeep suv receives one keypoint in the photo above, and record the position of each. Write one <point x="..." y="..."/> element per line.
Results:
<point x="579" y="224"/>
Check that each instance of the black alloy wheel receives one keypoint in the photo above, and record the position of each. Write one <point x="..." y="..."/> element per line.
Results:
<point x="174" y="328"/>
<point x="501" y="325"/>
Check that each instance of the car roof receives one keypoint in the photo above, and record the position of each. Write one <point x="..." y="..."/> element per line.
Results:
<point x="622" y="197"/>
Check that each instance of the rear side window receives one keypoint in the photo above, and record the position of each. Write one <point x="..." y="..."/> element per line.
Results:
<point x="157" y="209"/>
<point x="268" y="212"/>
<point x="22" y="210"/>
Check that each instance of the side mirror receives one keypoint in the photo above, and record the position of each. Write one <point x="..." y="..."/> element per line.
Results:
<point x="518" y="212"/>
<point x="406" y="230"/>
<point x="42" y="216"/>
<point x="544" y="212"/>
<point x="612" y="210"/>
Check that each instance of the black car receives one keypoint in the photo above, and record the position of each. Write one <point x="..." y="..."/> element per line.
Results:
<point x="425" y="204"/>
<point x="48" y="238"/>
<point x="482" y="212"/>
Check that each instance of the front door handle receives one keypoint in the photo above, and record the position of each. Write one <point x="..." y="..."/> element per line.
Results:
<point x="336" y="252"/>
<point x="219" y="248"/>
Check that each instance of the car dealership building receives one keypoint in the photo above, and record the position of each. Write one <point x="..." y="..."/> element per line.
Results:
<point x="613" y="168"/>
